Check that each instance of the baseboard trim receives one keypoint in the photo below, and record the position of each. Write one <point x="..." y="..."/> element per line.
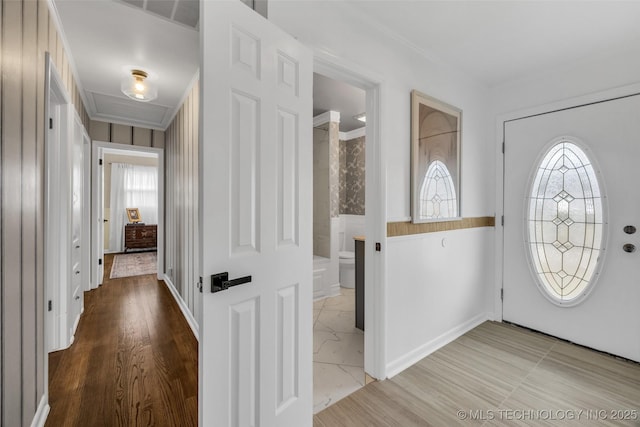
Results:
<point x="183" y="307"/>
<point x="75" y="326"/>
<point x="40" y="418"/>
<point x="334" y="290"/>
<point x="411" y="358"/>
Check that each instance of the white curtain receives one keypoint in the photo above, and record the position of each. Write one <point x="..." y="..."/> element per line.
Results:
<point x="132" y="186"/>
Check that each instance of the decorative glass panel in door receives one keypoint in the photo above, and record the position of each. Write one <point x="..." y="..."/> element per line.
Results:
<point x="565" y="223"/>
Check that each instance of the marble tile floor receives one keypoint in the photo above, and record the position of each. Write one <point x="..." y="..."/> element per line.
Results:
<point x="338" y="350"/>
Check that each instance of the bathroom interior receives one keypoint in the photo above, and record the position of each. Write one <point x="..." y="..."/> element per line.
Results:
<point x="338" y="224"/>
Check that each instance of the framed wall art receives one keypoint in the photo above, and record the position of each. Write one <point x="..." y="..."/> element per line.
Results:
<point x="435" y="159"/>
<point x="134" y="215"/>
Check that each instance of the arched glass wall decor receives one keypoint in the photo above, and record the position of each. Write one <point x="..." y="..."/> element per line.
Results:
<point x="435" y="159"/>
<point x="438" y="194"/>
<point x="565" y="223"/>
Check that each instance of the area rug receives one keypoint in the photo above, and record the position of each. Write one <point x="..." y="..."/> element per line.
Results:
<point x="135" y="264"/>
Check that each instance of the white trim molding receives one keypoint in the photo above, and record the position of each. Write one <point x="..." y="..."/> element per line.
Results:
<point x="193" y="324"/>
<point x="353" y="134"/>
<point x="411" y="358"/>
<point x="326" y="117"/>
<point x="40" y="418"/>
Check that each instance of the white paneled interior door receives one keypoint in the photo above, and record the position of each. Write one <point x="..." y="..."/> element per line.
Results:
<point x="255" y="220"/>
<point x="76" y="248"/>
<point x="607" y="318"/>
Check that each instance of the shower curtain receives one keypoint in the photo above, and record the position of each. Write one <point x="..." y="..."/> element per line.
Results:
<point x="132" y="186"/>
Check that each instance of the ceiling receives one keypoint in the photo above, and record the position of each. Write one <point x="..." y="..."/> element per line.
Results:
<point x="108" y="38"/>
<point x="492" y="42"/>
<point x="333" y="95"/>
<point x="497" y="42"/>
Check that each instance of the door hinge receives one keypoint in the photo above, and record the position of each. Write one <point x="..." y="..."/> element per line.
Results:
<point x="378" y="247"/>
<point x="502" y="294"/>
<point x="50" y="123"/>
<point x="503" y="147"/>
<point x="200" y="284"/>
<point x="100" y="261"/>
<point x="100" y="162"/>
<point x="50" y="305"/>
<point x="502" y="220"/>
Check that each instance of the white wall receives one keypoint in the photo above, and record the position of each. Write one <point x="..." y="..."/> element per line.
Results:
<point x="415" y="266"/>
<point x="440" y="296"/>
<point x="592" y="75"/>
<point x="350" y="226"/>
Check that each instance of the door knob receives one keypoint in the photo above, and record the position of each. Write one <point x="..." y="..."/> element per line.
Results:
<point x="221" y="282"/>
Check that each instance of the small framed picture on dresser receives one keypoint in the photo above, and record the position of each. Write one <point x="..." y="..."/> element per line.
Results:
<point x="134" y="215"/>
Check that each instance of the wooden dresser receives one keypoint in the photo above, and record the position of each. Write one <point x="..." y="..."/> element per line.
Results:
<point x="140" y="236"/>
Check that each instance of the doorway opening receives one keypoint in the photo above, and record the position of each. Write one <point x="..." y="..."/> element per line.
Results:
<point x="128" y="189"/>
<point x="339" y="222"/>
<point x="130" y="212"/>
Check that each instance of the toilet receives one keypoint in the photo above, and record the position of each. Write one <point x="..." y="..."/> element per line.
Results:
<point x="347" y="269"/>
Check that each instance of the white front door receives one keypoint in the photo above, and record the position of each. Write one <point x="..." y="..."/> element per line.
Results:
<point x="255" y="220"/>
<point x="608" y="318"/>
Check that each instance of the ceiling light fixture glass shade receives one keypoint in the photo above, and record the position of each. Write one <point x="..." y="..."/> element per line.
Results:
<point x="136" y="87"/>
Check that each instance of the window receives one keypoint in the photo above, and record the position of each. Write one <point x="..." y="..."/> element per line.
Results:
<point x="132" y="186"/>
<point x="565" y="224"/>
<point x="438" y="195"/>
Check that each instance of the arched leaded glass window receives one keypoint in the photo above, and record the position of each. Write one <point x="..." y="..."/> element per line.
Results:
<point x="438" y="194"/>
<point x="565" y="223"/>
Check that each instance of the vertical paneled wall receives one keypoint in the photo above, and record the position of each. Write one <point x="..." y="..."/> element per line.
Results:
<point x="129" y="135"/>
<point x="181" y="201"/>
<point x="27" y="31"/>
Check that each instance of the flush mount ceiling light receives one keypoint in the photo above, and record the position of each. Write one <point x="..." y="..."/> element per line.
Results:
<point x="136" y="87"/>
<point x="362" y="117"/>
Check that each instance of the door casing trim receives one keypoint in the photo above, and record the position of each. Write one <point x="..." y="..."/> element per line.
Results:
<point x="329" y="65"/>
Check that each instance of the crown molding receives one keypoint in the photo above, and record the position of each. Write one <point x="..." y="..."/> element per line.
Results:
<point x="326" y="117"/>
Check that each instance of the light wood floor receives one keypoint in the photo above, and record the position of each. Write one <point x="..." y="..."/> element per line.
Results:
<point x="501" y="375"/>
<point x="134" y="361"/>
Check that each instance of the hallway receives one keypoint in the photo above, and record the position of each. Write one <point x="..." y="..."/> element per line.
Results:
<point x="134" y="360"/>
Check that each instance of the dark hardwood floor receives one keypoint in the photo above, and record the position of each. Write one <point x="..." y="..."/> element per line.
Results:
<point x="134" y="361"/>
